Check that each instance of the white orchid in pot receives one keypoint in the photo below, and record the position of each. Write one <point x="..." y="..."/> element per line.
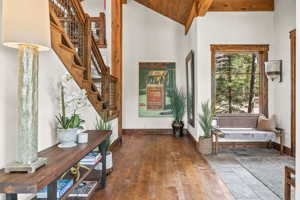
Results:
<point x="69" y="121"/>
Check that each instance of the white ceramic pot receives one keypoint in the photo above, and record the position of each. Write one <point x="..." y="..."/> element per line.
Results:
<point x="82" y="138"/>
<point x="214" y="123"/>
<point x="109" y="162"/>
<point x="205" y="146"/>
<point x="67" y="137"/>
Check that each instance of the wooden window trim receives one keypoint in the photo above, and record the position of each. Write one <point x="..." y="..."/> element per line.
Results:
<point x="262" y="51"/>
<point x="233" y="48"/>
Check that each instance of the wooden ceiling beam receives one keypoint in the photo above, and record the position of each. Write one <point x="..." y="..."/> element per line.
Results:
<point x="203" y="6"/>
<point x="242" y="5"/>
<point x="190" y="19"/>
<point x="200" y="8"/>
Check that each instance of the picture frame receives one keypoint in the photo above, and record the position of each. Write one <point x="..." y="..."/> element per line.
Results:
<point x="157" y="80"/>
<point x="190" y="78"/>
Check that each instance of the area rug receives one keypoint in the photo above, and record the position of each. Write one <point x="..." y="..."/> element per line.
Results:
<point x="268" y="170"/>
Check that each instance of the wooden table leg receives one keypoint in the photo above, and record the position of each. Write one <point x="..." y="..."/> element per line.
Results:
<point x="103" y="175"/>
<point x="11" y="196"/>
<point x="52" y="191"/>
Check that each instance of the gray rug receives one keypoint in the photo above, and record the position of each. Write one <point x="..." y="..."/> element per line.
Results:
<point x="269" y="170"/>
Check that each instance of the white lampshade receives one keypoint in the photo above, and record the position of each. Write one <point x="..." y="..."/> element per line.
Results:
<point x="26" y="22"/>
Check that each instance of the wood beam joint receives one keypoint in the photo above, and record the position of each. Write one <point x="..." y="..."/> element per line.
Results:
<point x="199" y="8"/>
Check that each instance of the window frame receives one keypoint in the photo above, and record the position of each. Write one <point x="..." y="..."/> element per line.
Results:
<point x="262" y="52"/>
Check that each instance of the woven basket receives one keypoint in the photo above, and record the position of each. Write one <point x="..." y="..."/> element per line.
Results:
<point x="205" y="146"/>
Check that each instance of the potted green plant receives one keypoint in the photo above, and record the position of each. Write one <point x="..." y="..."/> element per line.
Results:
<point x="205" y="122"/>
<point x="178" y="99"/>
<point x="67" y="126"/>
<point x="103" y="125"/>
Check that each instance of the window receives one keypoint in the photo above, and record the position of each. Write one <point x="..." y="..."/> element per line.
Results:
<point x="239" y="82"/>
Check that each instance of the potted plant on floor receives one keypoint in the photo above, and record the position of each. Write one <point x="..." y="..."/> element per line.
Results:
<point x="205" y="122"/>
<point x="68" y="126"/>
<point x="103" y="125"/>
<point x="178" y="109"/>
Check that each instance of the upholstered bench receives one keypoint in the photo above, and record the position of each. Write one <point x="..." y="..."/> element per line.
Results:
<point x="237" y="130"/>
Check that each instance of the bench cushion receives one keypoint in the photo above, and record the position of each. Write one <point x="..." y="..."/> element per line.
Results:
<point x="247" y="134"/>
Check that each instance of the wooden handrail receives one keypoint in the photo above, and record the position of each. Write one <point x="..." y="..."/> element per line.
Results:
<point x="98" y="56"/>
<point x="79" y="11"/>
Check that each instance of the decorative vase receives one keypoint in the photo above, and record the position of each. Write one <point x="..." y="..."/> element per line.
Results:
<point x="67" y="137"/>
<point x="214" y="123"/>
<point x="82" y="138"/>
<point x="109" y="163"/>
<point x="178" y="128"/>
<point x="205" y="145"/>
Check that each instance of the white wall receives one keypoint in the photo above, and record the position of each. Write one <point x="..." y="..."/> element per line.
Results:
<point x="284" y="22"/>
<point x="190" y="43"/>
<point x="93" y="8"/>
<point x="226" y="28"/>
<point x="51" y="71"/>
<point x="147" y="37"/>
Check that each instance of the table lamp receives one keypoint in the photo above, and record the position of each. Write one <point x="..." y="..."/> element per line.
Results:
<point x="26" y="27"/>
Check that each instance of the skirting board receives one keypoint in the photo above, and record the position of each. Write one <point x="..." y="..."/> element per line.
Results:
<point x="286" y="150"/>
<point x="148" y="131"/>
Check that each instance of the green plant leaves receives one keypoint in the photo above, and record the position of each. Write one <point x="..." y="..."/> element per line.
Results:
<point x="178" y="101"/>
<point x="101" y="125"/>
<point x="69" y="123"/>
<point x="205" y="119"/>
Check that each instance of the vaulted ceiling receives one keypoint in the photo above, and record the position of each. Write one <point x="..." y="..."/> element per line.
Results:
<point x="177" y="10"/>
<point x="183" y="11"/>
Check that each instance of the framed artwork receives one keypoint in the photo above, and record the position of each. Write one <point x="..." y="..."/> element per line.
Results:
<point x="156" y="83"/>
<point x="190" y="77"/>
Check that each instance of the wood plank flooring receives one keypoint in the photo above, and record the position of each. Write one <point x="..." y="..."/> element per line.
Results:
<point x="161" y="167"/>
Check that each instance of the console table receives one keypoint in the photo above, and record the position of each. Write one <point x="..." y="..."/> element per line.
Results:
<point x="59" y="161"/>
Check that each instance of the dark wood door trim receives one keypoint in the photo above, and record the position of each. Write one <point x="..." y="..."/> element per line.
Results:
<point x="293" y="91"/>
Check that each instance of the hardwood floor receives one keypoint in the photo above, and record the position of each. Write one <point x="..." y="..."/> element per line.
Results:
<point x="161" y="167"/>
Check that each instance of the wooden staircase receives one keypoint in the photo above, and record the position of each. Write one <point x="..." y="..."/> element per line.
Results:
<point x="73" y="42"/>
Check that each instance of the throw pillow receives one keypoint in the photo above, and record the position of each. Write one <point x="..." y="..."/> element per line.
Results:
<point x="265" y="124"/>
